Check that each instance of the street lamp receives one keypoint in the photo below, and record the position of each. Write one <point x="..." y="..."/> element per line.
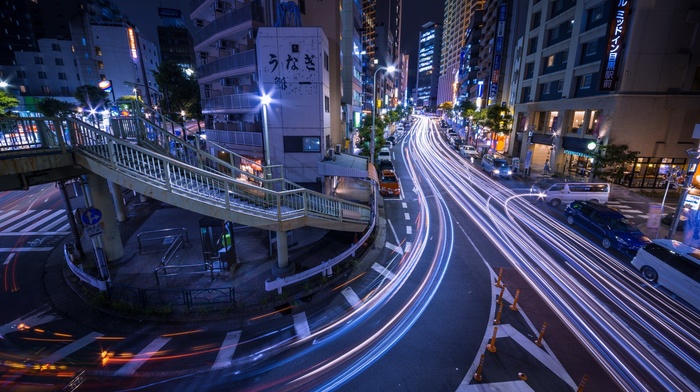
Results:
<point x="389" y="69"/>
<point x="265" y="101"/>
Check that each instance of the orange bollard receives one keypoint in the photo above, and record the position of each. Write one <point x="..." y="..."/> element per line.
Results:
<point x="539" y="339"/>
<point x="498" y="281"/>
<point x="498" y="315"/>
<point x="492" y="346"/>
<point x="477" y="375"/>
<point x="500" y="296"/>
<point x="514" y="306"/>
<point x="582" y="384"/>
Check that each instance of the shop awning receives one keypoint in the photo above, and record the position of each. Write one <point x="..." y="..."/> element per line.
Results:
<point x="541" y="138"/>
<point x="577" y="146"/>
<point x="344" y="165"/>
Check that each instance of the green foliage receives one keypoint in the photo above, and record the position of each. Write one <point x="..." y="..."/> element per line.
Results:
<point x="7" y="102"/>
<point x="51" y="107"/>
<point x="496" y="118"/>
<point x="466" y="108"/>
<point x="366" y="134"/>
<point x="180" y="92"/>
<point x="610" y="161"/>
<point x="92" y="97"/>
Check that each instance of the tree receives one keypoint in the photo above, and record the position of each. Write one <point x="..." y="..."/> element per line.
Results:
<point x="180" y="92"/>
<point x="610" y="162"/>
<point x="51" y="107"/>
<point x="466" y="108"/>
<point x="7" y="102"/>
<point x="498" y="119"/>
<point x="92" y="97"/>
<point x="366" y="135"/>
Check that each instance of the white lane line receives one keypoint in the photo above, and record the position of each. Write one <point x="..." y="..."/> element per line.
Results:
<point x="228" y="348"/>
<point x="408" y="247"/>
<point x="37" y="316"/>
<point x="409" y="230"/>
<point x="352" y="298"/>
<point x="390" y="275"/>
<point x="396" y="237"/>
<point x="404" y="205"/>
<point x="71" y="348"/>
<point x="3" y="217"/>
<point x="139" y="359"/>
<point x="15" y="218"/>
<point x="19" y="250"/>
<point x="28" y="220"/>
<point x="407" y="216"/>
<point x="301" y="325"/>
<point x="26" y="233"/>
<point x="393" y="247"/>
<point x="52" y="216"/>
<point x="8" y="259"/>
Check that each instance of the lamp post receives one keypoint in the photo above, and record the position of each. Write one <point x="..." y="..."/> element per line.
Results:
<point x="265" y="100"/>
<point x="389" y="69"/>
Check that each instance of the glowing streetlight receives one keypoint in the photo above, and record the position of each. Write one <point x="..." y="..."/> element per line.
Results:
<point x="265" y="101"/>
<point x="390" y="69"/>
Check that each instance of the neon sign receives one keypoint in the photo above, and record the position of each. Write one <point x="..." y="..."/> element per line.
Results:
<point x="132" y="42"/>
<point x="616" y="36"/>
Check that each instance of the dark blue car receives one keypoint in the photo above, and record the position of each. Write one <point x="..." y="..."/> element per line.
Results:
<point x="608" y="224"/>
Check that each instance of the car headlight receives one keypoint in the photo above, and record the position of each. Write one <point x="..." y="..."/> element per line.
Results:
<point x="510" y="172"/>
<point x="495" y="171"/>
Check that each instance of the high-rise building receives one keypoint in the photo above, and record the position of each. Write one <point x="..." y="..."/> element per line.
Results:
<point x="352" y="55"/>
<point x="610" y="72"/>
<point x="174" y="39"/>
<point x="429" y="44"/>
<point x="458" y="14"/>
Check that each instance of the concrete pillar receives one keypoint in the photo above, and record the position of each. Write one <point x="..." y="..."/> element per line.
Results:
<point x="282" y="268"/>
<point x="119" y="205"/>
<point x="98" y="196"/>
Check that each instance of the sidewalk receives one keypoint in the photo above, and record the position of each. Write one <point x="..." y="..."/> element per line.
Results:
<point x="147" y="288"/>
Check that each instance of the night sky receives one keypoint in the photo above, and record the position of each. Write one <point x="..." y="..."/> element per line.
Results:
<point x="144" y="13"/>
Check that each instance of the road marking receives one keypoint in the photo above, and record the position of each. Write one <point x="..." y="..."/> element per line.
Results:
<point x="393" y="248"/>
<point x="407" y="216"/>
<point x="228" y="348"/>
<point x="404" y="205"/>
<point x="352" y="298"/>
<point x="19" y="250"/>
<point x="408" y="247"/>
<point x="37" y="316"/>
<point x="46" y="219"/>
<point x="14" y="218"/>
<point x="409" y="230"/>
<point x="71" y="348"/>
<point x="8" y="259"/>
<point x="301" y="325"/>
<point x="139" y="359"/>
<point x="377" y="267"/>
<point x="27" y="233"/>
<point x="30" y="218"/>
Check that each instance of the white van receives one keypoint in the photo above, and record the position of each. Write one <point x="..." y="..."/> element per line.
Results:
<point x="674" y="265"/>
<point x="566" y="192"/>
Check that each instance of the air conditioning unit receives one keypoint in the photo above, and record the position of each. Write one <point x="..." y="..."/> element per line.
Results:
<point x="330" y="154"/>
<point x="199" y="23"/>
<point x="222" y="44"/>
<point x="226" y="81"/>
<point x="203" y="55"/>
<point x="337" y="148"/>
<point x="217" y="6"/>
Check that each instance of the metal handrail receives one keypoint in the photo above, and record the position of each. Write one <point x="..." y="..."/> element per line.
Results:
<point x="139" y="240"/>
<point x="276" y="207"/>
<point x="207" y="267"/>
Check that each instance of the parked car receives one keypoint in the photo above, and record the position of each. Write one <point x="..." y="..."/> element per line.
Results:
<point x="672" y="264"/>
<point x="613" y="229"/>
<point x="468" y="151"/>
<point x="389" y="184"/>
<point x="384" y="165"/>
<point x="391" y="139"/>
<point x="384" y="154"/>
<point x="496" y="166"/>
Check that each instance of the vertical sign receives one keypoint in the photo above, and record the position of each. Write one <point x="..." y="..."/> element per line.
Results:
<point x="616" y="37"/>
<point x="132" y="42"/>
<point x="498" y="49"/>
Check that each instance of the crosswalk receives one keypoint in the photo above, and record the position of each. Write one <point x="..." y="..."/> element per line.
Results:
<point x="33" y="222"/>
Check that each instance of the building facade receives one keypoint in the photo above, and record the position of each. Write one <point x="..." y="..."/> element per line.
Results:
<point x="596" y="73"/>
<point x="429" y="45"/>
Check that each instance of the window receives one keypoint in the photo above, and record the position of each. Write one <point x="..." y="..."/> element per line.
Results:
<point x="560" y="85"/>
<point x="535" y="20"/>
<point x="325" y="61"/>
<point x="38" y="60"/>
<point x="45" y="90"/>
<point x="21" y="74"/>
<point x="23" y="89"/>
<point x="56" y="47"/>
<point x="327" y="104"/>
<point x="585" y="81"/>
<point x="98" y="51"/>
<point x="65" y="91"/>
<point x="42" y="75"/>
<point x="593" y="122"/>
<point x="545" y="88"/>
<point x="58" y="61"/>
<point x="62" y="76"/>
<point x="100" y="65"/>
<point x="590" y="48"/>
<point x="577" y="121"/>
<point x="525" y="94"/>
<point x="311" y="144"/>
<point x="550" y="61"/>
<point x="532" y="45"/>
<point x="564" y="56"/>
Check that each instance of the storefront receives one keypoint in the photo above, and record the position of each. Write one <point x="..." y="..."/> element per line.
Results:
<point x="578" y="156"/>
<point x="653" y="172"/>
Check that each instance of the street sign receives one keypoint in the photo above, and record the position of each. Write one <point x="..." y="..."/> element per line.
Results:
<point x="93" y="230"/>
<point x="91" y="216"/>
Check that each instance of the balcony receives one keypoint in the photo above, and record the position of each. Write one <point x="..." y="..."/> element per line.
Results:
<point x="240" y="19"/>
<point x="238" y="61"/>
<point x="232" y="103"/>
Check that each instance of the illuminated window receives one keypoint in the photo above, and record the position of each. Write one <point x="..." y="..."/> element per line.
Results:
<point x="98" y="51"/>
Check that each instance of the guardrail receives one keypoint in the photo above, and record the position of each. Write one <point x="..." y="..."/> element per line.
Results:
<point x="207" y="268"/>
<point x="79" y="272"/>
<point x="146" y="236"/>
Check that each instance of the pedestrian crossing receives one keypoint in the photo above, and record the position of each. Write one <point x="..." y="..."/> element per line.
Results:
<point x="33" y="222"/>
